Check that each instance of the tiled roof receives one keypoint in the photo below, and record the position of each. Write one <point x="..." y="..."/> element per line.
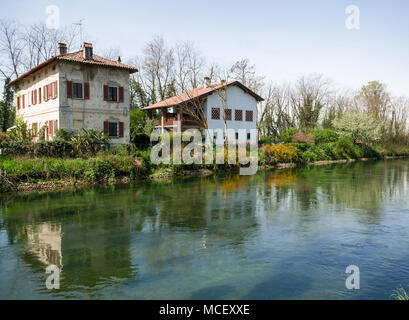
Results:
<point x="199" y="93"/>
<point x="78" y="57"/>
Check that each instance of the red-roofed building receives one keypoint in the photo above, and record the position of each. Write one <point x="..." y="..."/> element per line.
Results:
<point x="225" y="105"/>
<point x="74" y="91"/>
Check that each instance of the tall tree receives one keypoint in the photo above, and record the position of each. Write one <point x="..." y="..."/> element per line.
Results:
<point x="6" y="107"/>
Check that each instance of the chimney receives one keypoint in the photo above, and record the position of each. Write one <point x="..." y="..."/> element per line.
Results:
<point x="62" y="48"/>
<point x="87" y="51"/>
<point x="223" y="82"/>
<point x="207" y="82"/>
<point x="118" y="59"/>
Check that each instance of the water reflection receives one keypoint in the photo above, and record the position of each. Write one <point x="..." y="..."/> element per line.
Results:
<point x="230" y="232"/>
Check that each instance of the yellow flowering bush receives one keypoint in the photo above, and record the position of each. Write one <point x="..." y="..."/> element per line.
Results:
<point x="280" y="153"/>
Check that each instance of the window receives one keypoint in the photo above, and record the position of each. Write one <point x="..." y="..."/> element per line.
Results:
<point x="228" y="114"/>
<point x="77" y="90"/>
<point x="112" y="94"/>
<point x="113" y="129"/>
<point x="248" y="136"/>
<point x="45" y="93"/>
<point x="249" y="116"/>
<point x="238" y="115"/>
<point x="53" y="90"/>
<point x="216" y="113"/>
<point x="237" y="136"/>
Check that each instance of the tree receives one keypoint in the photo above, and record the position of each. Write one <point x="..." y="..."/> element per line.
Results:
<point x="139" y="123"/>
<point x="6" y="107"/>
<point x="359" y="126"/>
<point x="245" y="72"/>
<point x="375" y="99"/>
<point x="138" y="96"/>
<point x="308" y="98"/>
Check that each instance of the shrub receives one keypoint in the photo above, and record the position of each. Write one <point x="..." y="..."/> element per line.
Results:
<point x="141" y="140"/>
<point x="281" y="152"/>
<point x="301" y="146"/>
<point x="324" y="135"/>
<point x="303" y="138"/>
<point x="265" y="140"/>
<point x="64" y="135"/>
<point x="346" y="149"/>
<point x="4" y="136"/>
<point x="287" y="134"/>
<point x="308" y="156"/>
<point x="89" y="142"/>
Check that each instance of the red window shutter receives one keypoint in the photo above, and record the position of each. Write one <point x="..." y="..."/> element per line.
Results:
<point x="56" y="125"/>
<point x="105" y="93"/>
<point x="24" y="101"/>
<point x="121" y="129"/>
<point x="44" y="93"/>
<point x="86" y="90"/>
<point x="69" y="89"/>
<point x="56" y="89"/>
<point x="35" y="96"/>
<point x="39" y="95"/>
<point x="18" y="103"/>
<point x="50" y="91"/>
<point x="106" y="127"/>
<point x="50" y="131"/>
<point x="121" y="94"/>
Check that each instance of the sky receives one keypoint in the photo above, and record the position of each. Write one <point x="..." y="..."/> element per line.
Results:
<point x="284" y="39"/>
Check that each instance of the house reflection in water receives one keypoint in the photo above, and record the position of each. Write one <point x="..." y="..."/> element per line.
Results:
<point x="44" y="241"/>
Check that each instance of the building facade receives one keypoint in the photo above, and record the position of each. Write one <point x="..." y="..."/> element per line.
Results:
<point x="76" y="91"/>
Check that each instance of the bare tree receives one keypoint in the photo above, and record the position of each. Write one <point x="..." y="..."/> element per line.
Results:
<point x="308" y="98"/>
<point x="11" y="48"/>
<point x="245" y="72"/>
<point x="158" y="67"/>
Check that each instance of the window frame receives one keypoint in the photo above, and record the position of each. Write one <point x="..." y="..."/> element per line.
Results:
<point x="252" y="115"/>
<point x="82" y="91"/>
<point x="215" y="110"/>
<point x="109" y="129"/>
<point x="117" y="93"/>
<point x="236" y="111"/>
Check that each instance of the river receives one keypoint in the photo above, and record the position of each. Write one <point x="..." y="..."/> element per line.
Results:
<point x="284" y="234"/>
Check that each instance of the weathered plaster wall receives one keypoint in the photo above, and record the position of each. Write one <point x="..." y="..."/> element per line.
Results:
<point x="76" y="114"/>
<point x="42" y="112"/>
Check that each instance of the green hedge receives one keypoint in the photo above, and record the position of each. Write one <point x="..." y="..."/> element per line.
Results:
<point x="94" y="169"/>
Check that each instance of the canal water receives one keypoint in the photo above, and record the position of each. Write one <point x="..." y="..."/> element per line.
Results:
<point x="284" y="234"/>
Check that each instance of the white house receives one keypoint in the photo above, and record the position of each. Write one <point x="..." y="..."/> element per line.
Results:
<point x="76" y="90"/>
<point x="225" y="105"/>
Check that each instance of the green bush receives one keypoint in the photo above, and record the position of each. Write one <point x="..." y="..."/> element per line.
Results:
<point x="308" y="156"/>
<point x="141" y="140"/>
<point x="346" y="149"/>
<point x="101" y="168"/>
<point x="265" y="140"/>
<point x="324" y="135"/>
<point x="287" y="134"/>
<point x="302" y="146"/>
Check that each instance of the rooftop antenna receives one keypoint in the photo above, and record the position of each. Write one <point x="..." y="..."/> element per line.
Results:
<point x="79" y="24"/>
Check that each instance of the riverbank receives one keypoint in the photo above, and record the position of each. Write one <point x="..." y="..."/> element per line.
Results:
<point x="162" y="174"/>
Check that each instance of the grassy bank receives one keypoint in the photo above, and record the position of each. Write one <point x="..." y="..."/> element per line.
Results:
<point x="60" y="163"/>
<point x="324" y="145"/>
